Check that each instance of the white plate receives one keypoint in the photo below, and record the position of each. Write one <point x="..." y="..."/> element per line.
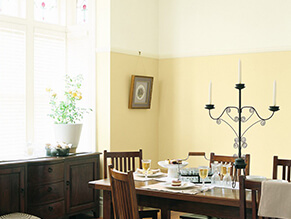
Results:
<point x="184" y="185"/>
<point x="256" y="178"/>
<point x="165" y="164"/>
<point x="149" y="175"/>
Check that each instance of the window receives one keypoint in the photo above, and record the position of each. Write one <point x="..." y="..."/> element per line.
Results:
<point x="49" y="72"/>
<point x="36" y="51"/>
<point x="15" y="8"/>
<point x="12" y="90"/>
<point x="82" y="11"/>
<point x="50" y="11"/>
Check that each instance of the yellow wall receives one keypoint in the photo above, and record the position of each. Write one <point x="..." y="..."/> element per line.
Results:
<point x="184" y="124"/>
<point x="132" y="129"/>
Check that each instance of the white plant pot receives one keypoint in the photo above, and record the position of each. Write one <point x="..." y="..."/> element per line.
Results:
<point x="69" y="133"/>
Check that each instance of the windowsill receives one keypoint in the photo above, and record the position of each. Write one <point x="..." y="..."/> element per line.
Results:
<point x="26" y="157"/>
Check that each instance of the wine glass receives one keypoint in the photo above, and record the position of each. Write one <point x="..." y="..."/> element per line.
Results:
<point x="203" y="173"/>
<point x="146" y="165"/>
<point x="227" y="178"/>
<point x="215" y="179"/>
<point x="223" y="169"/>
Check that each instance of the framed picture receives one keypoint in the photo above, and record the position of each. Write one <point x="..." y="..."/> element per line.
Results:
<point x="140" y="92"/>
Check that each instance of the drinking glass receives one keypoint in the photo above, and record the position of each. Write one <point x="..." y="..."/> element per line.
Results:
<point x="215" y="179"/>
<point x="203" y="173"/>
<point x="223" y="169"/>
<point x="227" y="178"/>
<point x="146" y="165"/>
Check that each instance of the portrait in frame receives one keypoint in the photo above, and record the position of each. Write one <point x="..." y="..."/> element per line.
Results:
<point x="140" y="92"/>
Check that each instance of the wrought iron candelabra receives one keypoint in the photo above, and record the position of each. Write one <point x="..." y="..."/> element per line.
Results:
<point x="240" y="140"/>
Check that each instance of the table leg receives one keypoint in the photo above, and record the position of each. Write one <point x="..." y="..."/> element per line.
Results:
<point x="107" y="205"/>
<point x="165" y="214"/>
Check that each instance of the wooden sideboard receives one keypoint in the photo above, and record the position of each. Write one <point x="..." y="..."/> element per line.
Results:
<point x="50" y="187"/>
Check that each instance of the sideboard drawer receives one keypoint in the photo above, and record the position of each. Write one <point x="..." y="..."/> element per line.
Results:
<point x="49" y="211"/>
<point x="44" y="193"/>
<point x="45" y="173"/>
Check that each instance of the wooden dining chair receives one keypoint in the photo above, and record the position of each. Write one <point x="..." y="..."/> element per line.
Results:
<point x="124" y="196"/>
<point x="231" y="159"/>
<point x="128" y="161"/>
<point x="255" y="188"/>
<point x="286" y="168"/>
<point x="123" y="161"/>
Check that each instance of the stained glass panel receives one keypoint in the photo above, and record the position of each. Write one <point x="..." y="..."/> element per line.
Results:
<point x="14" y="8"/>
<point x="82" y="11"/>
<point x="48" y="11"/>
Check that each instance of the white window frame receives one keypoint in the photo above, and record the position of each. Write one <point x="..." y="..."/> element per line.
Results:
<point x="29" y="24"/>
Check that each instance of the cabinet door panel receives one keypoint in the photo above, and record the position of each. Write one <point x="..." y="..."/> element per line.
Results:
<point x="79" y="195"/>
<point x="12" y="190"/>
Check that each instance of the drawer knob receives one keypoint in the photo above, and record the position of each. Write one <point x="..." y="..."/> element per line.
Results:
<point x="49" y="189"/>
<point x="50" y="170"/>
<point x="68" y="183"/>
<point x="50" y="208"/>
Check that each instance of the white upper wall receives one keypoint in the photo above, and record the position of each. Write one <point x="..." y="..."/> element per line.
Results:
<point x="208" y="27"/>
<point x="134" y="27"/>
<point x="179" y="28"/>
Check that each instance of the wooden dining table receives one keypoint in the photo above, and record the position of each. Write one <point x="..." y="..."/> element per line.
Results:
<point x="216" y="202"/>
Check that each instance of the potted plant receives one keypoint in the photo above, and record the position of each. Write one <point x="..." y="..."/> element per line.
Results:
<point x="66" y="114"/>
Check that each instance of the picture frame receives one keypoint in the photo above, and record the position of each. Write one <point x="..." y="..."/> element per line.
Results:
<point x="140" y="92"/>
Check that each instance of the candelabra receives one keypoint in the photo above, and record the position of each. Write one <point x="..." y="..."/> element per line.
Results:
<point x="240" y="140"/>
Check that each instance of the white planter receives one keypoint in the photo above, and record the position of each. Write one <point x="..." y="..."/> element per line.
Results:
<point x="69" y="133"/>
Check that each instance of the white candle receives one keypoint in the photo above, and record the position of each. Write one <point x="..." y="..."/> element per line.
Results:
<point x="210" y="92"/>
<point x="239" y="71"/>
<point x="274" y="93"/>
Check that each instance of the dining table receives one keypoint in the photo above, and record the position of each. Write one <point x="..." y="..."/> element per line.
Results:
<point x="216" y="202"/>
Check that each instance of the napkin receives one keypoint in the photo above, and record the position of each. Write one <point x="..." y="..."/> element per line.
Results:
<point x="151" y="171"/>
<point x="275" y="199"/>
<point x="192" y="190"/>
<point x="142" y="179"/>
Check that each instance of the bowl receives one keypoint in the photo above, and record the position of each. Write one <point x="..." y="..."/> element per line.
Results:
<point x="256" y="178"/>
<point x="52" y="152"/>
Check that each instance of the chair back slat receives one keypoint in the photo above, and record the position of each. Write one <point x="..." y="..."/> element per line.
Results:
<point x="133" y="163"/>
<point x="123" y="194"/>
<point x="286" y="168"/>
<point x="129" y="164"/>
<point x="123" y="161"/>
<point x="231" y="159"/>
<point x="120" y="164"/>
<point x="116" y="163"/>
<point x="284" y="172"/>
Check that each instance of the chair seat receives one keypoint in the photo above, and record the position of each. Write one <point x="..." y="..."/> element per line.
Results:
<point x="18" y="216"/>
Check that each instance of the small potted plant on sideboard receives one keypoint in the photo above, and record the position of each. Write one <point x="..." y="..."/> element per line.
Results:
<point x="66" y="114"/>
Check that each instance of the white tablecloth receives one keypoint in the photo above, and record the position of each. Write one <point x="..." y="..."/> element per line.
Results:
<point x="275" y="199"/>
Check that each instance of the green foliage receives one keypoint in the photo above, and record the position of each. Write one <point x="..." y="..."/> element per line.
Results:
<point x="66" y="111"/>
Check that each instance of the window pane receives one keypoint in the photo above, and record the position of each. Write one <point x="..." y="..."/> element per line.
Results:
<point x="12" y="93"/>
<point x="49" y="11"/>
<point x="14" y="8"/>
<point x="49" y="71"/>
<point x="79" y="62"/>
<point x="82" y="11"/>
